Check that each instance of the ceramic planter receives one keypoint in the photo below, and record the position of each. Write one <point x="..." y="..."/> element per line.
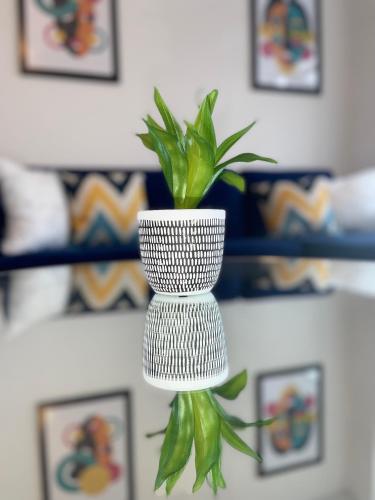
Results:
<point x="184" y="346"/>
<point x="182" y="250"/>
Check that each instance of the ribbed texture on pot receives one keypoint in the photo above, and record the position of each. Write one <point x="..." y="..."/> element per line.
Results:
<point x="182" y="257"/>
<point x="184" y="345"/>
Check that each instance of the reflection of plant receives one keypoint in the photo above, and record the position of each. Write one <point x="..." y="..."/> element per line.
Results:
<point x="192" y="161"/>
<point x="198" y="419"/>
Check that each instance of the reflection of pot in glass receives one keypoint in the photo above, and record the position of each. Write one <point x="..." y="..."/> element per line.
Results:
<point x="182" y="250"/>
<point x="184" y="346"/>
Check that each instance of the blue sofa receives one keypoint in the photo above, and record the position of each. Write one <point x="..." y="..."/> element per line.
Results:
<point x="246" y="235"/>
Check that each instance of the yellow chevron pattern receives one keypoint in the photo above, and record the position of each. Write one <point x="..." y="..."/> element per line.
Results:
<point x="97" y="198"/>
<point x="99" y="289"/>
<point x="288" y="274"/>
<point x="312" y="206"/>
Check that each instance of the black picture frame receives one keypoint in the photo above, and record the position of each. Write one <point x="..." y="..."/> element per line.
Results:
<point x="24" y="68"/>
<point x="61" y="403"/>
<point x="318" y="90"/>
<point x="320" y="418"/>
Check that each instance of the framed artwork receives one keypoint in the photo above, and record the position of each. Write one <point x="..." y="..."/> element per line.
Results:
<point x="86" y="448"/>
<point x="295" y="438"/>
<point x="287" y="53"/>
<point x="72" y="38"/>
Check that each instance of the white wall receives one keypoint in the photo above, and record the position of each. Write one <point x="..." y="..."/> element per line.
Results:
<point x="101" y="353"/>
<point x="360" y="108"/>
<point x="186" y="48"/>
<point x="57" y="121"/>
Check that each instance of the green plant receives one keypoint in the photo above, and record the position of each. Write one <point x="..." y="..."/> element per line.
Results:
<point x="198" y="419"/>
<point x="192" y="161"/>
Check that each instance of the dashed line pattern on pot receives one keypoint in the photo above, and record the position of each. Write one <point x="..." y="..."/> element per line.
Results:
<point x="184" y="341"/>
<point x="182" y="256"/>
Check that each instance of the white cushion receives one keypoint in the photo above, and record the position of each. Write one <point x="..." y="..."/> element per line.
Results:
<point x="34" y="296"/>
<point x="353" y="200"/>
<point x="35" y="207"/>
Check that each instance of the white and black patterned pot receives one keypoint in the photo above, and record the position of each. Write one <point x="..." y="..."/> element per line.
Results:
<point x="182" y="250"/>
<point x="184" y="345"/>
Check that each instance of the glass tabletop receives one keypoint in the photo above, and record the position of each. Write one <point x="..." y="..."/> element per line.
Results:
<point x="72" y="336"/>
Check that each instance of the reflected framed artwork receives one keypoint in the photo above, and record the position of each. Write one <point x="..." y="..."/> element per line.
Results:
<point x="287" y="45"/>
<point x="295" y="439"/>
<point x="72" y="38"/>
<point x="86" y="447"/>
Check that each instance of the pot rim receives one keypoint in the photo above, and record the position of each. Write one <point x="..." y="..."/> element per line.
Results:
<point x="187" y="385"/>
<point x="182" y="214"/>
<point x="168" y="298"/>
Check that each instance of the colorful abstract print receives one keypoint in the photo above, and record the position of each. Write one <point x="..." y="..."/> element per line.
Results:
<point x="89" y="468"/>
<point x="287" y="34"/>
<point x="296" y="414"/>
<point x="73" y="26"/>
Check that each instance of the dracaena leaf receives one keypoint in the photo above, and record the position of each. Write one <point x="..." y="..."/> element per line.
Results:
<point x="147" y="141"/>
<point x="204" y="125"/>
<point x="169" y="120"/>
<point x="178" y="440"/>
<point x="238" y="423"/>
<point x="232" y="388"/>
<point x="231" y="141"/>
<point x="178" y="163"/>
<point x="154" y="123"/>
<point x="212" y="98"/>
<point x="150" y="435"/>
<point x="206" y="436"/>
<point x="200" y="158"/>
<point x="236" y="442"/>
<point x="246" y="158"/>
<point x="234" y="179"/>
<point x="172" y="480"/>
<point x="163" y="155"/>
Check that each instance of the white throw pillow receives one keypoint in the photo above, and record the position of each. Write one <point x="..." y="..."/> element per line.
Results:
<point x="353" y="200"/>
<point x="35" y="295"/>
<point x="35" y="207"/>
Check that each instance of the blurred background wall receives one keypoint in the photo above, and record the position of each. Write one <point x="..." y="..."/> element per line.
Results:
<point x="186" y="49"/>
<point x="88" y="355"/>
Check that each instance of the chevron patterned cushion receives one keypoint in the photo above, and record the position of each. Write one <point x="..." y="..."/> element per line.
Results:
<point x="108" y="286"/>
<point x="291" y="203"/>
<point x="104" y="205"/>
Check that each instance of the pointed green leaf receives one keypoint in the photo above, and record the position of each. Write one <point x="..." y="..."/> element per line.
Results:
<point x="169" y="120"/>
<point x="234" y="179"/>
<point x="178" y="440"/>
<point x="212" y="98"/>
<point x="150" y="435"/>
<point x="236" y="442"/>
<point x="217" y="476"/>
<point x="204" y="125"/>
<point x="206" y="436"/>
<point x="236" y="422"/>
<point x="172" y="480"/>
<point x="177" y="161"/>
<point x="232" y="388"/>
<point x="163" y="155"/>
<point x="154" y="123"/>
<point x="246" y="158"/>
<point x="147" y="141"/>
<point x="200" y="158"/>
<point x="231" y="141"/>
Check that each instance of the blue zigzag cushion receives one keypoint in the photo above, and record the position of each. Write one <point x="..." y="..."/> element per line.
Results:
<point x="104" y="205"/>
<point x="108" y="286"/>
<point x="290" y="203"/>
